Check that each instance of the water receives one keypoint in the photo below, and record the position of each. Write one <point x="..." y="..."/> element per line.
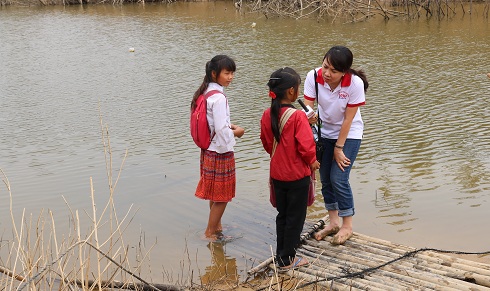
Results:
<point x="422" y="177"/>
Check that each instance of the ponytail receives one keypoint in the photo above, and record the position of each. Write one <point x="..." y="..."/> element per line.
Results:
<point x="363" y="77"/>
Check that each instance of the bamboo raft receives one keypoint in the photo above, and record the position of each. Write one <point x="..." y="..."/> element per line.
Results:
<point x="367" y="263"/>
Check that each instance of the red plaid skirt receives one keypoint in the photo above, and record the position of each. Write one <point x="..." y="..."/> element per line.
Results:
<point x="218" y="181"/>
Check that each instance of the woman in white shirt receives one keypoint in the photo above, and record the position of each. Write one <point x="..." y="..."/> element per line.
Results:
<point x="339" y="92"/>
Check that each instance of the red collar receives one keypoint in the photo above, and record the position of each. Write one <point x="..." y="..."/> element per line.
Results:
<point x="345" y="82"/>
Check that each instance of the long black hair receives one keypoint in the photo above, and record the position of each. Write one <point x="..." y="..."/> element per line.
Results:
<point x="216" y="64"/>
<point x="280" y="81"/>
<point x="341" y="59"/>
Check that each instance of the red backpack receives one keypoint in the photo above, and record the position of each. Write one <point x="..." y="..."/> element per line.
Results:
<point x="200" y="131"/>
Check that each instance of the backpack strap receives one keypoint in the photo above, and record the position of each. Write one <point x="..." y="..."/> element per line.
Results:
<point x="282" y="122"/>
<point x="210" y="93"/>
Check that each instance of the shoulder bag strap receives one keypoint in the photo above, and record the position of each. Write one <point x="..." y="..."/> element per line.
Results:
<point x="319" y="120"/>
<point x="282" y="122"/>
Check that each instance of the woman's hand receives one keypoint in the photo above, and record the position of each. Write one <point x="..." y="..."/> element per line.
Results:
<point x="342" y="161"/>
<point x="237" y="130"/>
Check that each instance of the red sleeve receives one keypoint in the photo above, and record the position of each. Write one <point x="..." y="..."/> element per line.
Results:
<point x="304" y="136"/>
<point x="266" y="135"/>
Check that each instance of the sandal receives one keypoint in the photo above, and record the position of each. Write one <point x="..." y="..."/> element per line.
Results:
<point x="321" y="234"/>
<point x="299" y="262"/>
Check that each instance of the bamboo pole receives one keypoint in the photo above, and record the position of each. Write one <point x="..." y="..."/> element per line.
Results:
<point x="260" y="266"/>
<point x="440" y="274"/>
<point x="334" y="270"/>
<point x="440" y="258"/>
<point x="425" y="269"/>
<point x="459" y="271"/>
<point x="304" y="236"/>
<point x="393" y="275"/>
<point x="331" y="286"/>
<point x="430" y="256"/>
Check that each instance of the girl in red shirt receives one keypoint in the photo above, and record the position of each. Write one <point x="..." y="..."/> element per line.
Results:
<point x="292" y="160"/>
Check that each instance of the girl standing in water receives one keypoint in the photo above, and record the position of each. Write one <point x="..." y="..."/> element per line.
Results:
<point x="217" y="164"/>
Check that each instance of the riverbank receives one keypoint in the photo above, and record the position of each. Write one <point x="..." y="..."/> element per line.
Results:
<point x="345" y="11"/>
<point x="422" y="162"/>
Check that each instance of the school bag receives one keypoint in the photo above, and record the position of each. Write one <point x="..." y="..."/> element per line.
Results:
<point x="200" y="131"/>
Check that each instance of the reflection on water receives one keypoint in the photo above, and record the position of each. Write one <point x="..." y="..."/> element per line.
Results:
<point x="223" y="269"/>
<point x="422" y="171"/>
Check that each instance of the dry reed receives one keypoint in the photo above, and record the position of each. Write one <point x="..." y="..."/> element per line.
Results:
<point x="361" y="10"/>
<point x="92" y="253"/>
<point x="91" y="257"/>
<point x="332" y="10"/>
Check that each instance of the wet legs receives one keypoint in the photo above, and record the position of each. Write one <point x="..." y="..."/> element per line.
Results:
<point x="216" y="210"/>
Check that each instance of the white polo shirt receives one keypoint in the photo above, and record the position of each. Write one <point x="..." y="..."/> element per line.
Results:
<point x="332" y="104"/>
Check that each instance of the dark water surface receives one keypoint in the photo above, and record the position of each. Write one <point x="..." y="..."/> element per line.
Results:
<point x="422" y="177"/>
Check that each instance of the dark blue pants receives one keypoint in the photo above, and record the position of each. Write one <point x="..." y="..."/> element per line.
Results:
<point x="291" y="204"/>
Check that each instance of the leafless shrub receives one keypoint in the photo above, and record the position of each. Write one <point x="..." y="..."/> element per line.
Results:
<point x="359" y="10"/>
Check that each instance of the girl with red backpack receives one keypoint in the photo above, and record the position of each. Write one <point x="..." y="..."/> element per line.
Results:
<point x="217" y="164"/>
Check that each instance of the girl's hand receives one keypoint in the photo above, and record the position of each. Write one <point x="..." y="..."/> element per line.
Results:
<point x="237" y="130"/>
<point x="315" y="166"/>
<point x="342" y="161"/>
<point x="313" y="119"/>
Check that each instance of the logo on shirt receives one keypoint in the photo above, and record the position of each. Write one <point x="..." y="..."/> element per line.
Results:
<point x="343" y="95"/>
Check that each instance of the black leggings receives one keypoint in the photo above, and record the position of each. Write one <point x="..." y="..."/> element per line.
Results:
<point x="291" y="204"/>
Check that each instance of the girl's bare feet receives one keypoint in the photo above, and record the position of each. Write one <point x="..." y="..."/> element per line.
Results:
<point x="217" y="236"/>
<point x="330" y="229"/>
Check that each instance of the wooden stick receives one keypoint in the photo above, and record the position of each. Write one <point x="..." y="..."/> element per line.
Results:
<point x="130" y="286"/>
<point x="319" y="224"/>
<point x="11" y="274"/>
<point x="260" y="266"/>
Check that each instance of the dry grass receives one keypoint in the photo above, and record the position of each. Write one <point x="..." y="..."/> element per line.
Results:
<point x="91" y="253"/>
<point x="361" y="10"/>
<point x="331" y="10"/>
<point x="90" y="256"/>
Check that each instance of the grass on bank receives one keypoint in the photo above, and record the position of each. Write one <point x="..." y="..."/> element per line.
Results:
<point x="330" y="10"/>
<point x="92" y="256"/>
<point x="92" y="253"/>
